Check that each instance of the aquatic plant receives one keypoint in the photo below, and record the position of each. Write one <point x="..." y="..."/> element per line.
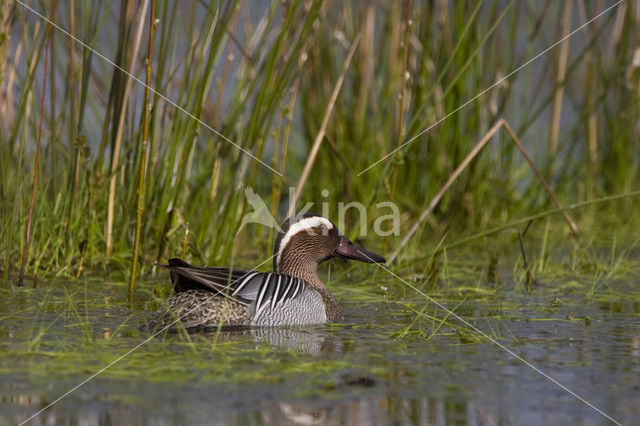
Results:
<point x="238" y="100"/>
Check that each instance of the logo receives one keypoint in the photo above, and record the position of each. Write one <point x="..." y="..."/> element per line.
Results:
<point x="384" y="224"/>
<point x="260" y="213"/>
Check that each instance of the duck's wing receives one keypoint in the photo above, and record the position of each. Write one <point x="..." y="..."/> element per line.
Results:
<point x="257" y="290"/>
<point x="185" y="276"/>
<point x="261" y="290"/>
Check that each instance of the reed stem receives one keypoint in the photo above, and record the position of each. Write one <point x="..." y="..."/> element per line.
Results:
<point x="561" y="74"/>
<point x="143" y="152"/>
<point x="27" y="240"/>
<point x="323" y="127"/>
<point x="142" y="11"/>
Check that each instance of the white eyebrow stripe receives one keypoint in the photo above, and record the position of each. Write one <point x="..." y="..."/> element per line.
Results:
<point x="301" y="225"/>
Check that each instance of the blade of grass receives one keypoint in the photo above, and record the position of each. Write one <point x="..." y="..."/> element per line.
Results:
<point x="143" y="152"/>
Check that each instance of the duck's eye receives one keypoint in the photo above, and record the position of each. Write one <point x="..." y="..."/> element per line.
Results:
<point x="323" y="229"/>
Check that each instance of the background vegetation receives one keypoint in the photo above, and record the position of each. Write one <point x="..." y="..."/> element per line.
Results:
<point x="262" y="75"/>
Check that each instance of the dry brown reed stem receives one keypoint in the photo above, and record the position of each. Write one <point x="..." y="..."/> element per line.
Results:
<point x="282" y="153"/>
<point x="567" y="218"/>
<point x="323" y="127"/>
<point x="561" y="75"/>
<point x="27" y="240"/>
<point x="456" y="173"/>
<point x="118" y="142"/>
<point x="590" y="82"/>
<point x="143" y="152"/>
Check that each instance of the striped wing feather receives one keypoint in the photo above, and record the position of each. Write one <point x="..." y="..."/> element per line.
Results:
<point x="257" y="290"/>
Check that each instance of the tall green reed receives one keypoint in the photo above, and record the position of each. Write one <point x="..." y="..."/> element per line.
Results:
<point x="263" y="79"/>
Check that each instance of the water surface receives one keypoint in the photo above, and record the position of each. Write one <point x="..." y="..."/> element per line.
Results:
<point x="385" y="365"/>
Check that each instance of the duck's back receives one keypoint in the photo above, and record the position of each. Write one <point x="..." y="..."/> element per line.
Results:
<point x="214" y="297"/>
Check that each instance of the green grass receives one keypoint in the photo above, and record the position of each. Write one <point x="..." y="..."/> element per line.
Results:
<point x="264" y="82"/>
<point x="59" y="333"/>
<point x="78" y="327"/>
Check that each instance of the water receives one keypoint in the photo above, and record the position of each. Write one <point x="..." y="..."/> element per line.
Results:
<point x="362" y="372"/>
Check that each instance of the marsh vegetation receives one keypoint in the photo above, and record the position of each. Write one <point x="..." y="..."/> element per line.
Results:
<point x="99" y="181"/>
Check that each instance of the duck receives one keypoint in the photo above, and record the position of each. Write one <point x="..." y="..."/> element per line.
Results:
<point x="292" y="295"/>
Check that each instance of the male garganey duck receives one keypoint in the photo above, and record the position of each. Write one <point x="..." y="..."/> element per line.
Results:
<point x="292" y="295"/>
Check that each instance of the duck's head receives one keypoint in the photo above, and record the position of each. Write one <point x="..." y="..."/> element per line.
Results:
<point x="307" y="240"/>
